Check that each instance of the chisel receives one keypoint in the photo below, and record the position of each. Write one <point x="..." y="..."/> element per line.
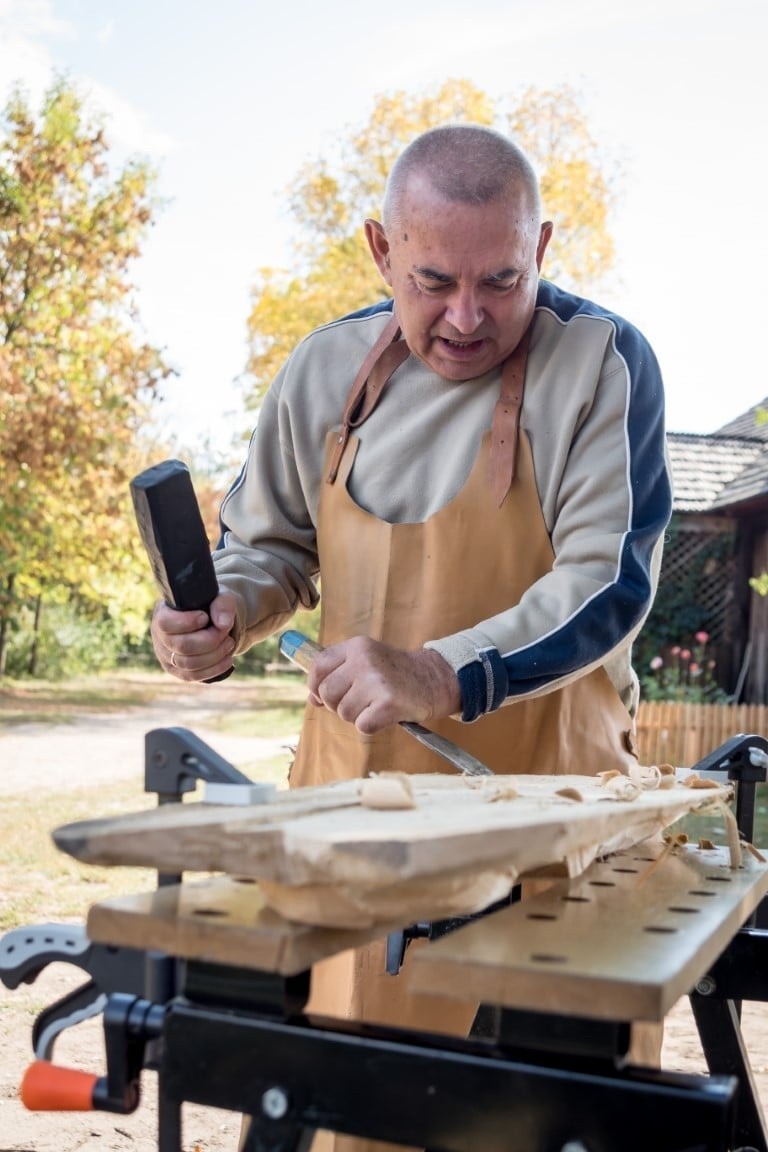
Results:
<point x="301" y="650"/>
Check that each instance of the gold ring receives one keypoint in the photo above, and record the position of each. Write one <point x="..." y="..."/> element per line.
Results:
<point x="173" y="660"/>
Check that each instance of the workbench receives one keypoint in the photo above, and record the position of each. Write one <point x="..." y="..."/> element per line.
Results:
<point x="221" y="981"/>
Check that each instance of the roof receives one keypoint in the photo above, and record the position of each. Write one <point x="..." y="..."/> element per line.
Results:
<point x="753" y="424"/>
<point x="713" y="472"/>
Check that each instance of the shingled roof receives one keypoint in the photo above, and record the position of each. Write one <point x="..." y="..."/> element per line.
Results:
<point x="712" y="473"/>
<point x="728" y="467"/>
<point x="752" y="424"/>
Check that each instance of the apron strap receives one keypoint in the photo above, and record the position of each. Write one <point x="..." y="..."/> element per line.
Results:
<point x="384" y="357"/>
<point x="506" y="421"/>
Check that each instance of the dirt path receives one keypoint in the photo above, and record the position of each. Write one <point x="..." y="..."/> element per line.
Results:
<point x="94" y="749"/>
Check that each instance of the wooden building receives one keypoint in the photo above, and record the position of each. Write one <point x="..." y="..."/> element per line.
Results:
<point x="718" y="540"/>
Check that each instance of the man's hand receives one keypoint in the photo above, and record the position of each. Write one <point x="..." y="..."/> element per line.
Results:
<point x="373" y="685"/>
<point x="189" y="645"/>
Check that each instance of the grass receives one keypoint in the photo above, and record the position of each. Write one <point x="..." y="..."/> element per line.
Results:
<point x="38" y="882"/>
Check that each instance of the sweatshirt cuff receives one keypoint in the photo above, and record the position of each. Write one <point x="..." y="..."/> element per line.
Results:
<point x="481" y="674"/>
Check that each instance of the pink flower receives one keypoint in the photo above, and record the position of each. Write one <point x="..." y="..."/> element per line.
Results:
<point x="694" y="668"/>
<point x="685" y="654"/>
<point x="656" y="663"/>
<point x="701" y="637"/>
<point x="676" y="650"/>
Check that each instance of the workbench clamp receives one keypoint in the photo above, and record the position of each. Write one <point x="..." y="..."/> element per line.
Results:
<point x="744" y="760"/>
<point x="175" y="760"/>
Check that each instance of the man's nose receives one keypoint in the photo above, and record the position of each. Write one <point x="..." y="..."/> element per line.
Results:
<point x="464" y="311"/>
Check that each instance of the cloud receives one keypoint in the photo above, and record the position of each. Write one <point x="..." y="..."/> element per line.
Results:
<point x="27" y="62"/>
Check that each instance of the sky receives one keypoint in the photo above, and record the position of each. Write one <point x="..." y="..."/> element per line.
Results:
<point x="229" y="100"/>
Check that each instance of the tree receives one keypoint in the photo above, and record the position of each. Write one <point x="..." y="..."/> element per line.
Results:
<point x="76" y="376"/>
<point x="329" y="199"/>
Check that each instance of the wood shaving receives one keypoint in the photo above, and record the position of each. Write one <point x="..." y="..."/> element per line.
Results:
<point x="646" y="777"/>
<point x="604" y="777"/>
<point x="569" y="794"/>
<point x="621" y="788"/>
<point x="705" y="844"/>
<point x="387" y="790"/>
<point x="499" y="790"/>
<point x="675" y="839"/>
<point x="732" y="833"/>
<point x="673" y="843"/>
<point x="666" y="769"/>
<point x="754" y="851"/>
<point x="694" y="781"/>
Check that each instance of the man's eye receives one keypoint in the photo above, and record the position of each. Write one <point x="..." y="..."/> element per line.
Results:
<point x="501" y="285"/>
<point x="431" y="286"/>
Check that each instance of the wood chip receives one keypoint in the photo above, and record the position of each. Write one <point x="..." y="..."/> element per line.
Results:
<point x="698" y="782"/>
<point x="569" y="794"/>
<point x="387" y="790"/>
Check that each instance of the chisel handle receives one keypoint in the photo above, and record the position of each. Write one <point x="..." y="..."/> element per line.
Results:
<point x="299" y="649"/>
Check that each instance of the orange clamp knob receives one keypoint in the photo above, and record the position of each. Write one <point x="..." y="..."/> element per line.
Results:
<point x="47" y="1087"/>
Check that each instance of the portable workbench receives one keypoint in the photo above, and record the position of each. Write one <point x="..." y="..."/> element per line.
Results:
<point x="203" y="984"/>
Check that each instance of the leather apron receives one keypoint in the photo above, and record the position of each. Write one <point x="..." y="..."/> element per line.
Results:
<point x="405" y="584"/>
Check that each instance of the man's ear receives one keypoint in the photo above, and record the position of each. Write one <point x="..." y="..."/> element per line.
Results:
<point x="379" y="246"/>
<point x="545" y="235"/>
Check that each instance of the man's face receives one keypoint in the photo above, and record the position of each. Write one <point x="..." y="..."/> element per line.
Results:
<point x="464" y="276"/>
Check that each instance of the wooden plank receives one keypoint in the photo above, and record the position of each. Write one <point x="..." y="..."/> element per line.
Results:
<point x="324" y="857"/>
<point x="219" y="920"/>
<point x="624" y="941"/>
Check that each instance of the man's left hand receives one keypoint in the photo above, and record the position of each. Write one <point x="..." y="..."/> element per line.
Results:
<point x="373" y="685"/>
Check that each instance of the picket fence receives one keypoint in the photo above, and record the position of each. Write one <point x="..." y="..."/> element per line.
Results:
<point x="682" y="734"/>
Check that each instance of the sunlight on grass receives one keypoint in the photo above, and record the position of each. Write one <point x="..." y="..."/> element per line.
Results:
<point x="39" y="882"/>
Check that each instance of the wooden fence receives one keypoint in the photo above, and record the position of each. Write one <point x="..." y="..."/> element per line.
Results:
<point x="681" y="734"/>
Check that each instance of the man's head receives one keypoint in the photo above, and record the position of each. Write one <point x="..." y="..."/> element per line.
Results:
<point x="461" y="245"/>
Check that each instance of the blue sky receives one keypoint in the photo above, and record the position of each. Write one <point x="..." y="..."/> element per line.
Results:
<point x="229" y="99"/>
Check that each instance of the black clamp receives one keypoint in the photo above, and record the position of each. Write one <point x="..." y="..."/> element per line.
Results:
<point x="744" y="759"/>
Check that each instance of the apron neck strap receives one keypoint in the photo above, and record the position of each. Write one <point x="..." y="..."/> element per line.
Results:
<point x="506" y="421"/>
<point x="384" y="357"/>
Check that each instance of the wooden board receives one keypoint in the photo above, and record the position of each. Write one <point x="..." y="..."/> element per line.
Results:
<point x="324" y="858"/>
<point x="623" y="942"/>
<point x="219" y="920"/>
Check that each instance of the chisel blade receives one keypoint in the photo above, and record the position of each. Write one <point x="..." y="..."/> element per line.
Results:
<point x="302" y="651"/>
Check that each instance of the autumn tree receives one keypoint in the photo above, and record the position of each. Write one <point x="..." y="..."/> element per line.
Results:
<point x="76" y="376"/>
<point x="332" y="270"/>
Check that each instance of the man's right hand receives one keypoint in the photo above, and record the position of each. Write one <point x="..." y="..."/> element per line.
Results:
<point x="192" y="646"/>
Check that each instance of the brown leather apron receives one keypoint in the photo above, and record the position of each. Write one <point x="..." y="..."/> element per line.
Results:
<point x="408" y="583"/>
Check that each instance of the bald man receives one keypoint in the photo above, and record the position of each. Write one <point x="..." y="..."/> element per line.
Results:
<point x="475" y="470"/>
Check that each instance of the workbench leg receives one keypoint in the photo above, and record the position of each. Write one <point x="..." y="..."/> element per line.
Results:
<point x="725" y="1052"/>
<point x="274" y="1137"/>
<point x="168" y="1123"/>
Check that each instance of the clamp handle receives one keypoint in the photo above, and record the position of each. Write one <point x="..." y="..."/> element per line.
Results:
<point x="48" y="1087"/>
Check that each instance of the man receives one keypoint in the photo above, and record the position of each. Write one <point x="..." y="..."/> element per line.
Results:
<point x="476" y="471"/>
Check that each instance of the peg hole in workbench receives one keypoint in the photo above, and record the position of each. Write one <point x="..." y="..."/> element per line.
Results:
<point x="548" y="958"/>
<point x="701" y="892"/>
<point x="209" y="912"/>
<point x="602" y="884"/>
<point x="244" y="879"/>
<point x="631" y="871"/>
<point x="576" y="899"/>
<point x="541" y="916"/>
<point x="682" y="908"/>
<point x="719" y="879"/>
<point x="663" y="929"/>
